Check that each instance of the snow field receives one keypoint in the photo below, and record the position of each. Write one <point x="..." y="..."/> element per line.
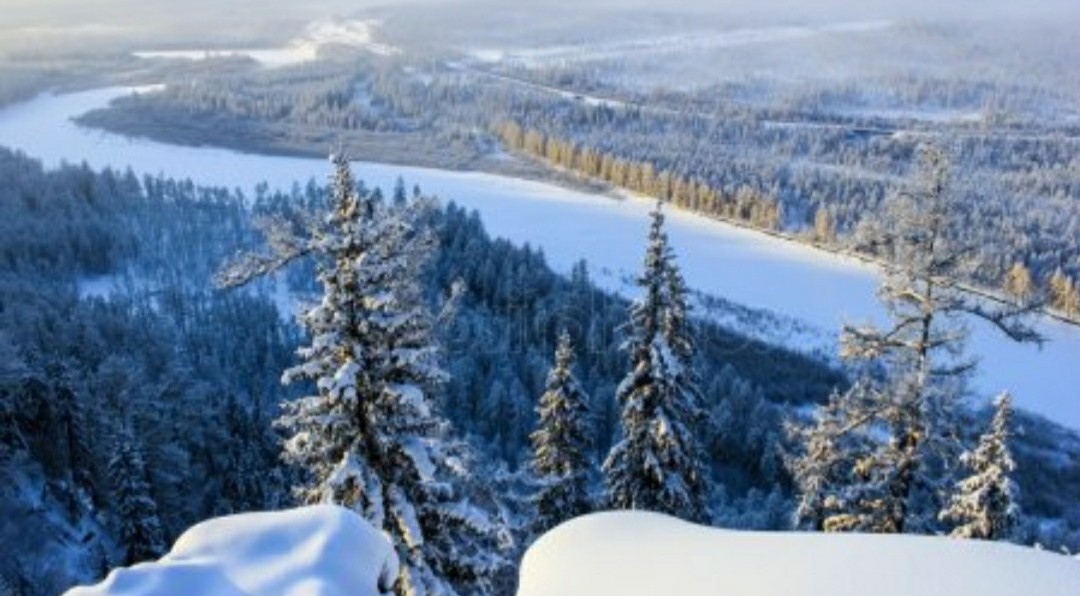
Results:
<point x="327" y="551"/>
<point x="629" y="553"/>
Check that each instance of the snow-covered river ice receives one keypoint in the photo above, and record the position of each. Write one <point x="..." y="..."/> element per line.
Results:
<point x="818" y="288"/>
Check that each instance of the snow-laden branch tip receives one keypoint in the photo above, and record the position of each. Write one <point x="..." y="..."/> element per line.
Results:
<point x="284" y="244"/>
<point x="1009" y="321"/>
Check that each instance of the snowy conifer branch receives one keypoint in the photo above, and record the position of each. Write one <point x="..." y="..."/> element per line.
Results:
<point x="285" y="246"/>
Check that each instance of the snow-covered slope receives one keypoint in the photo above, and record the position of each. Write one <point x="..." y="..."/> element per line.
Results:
<point x="669" y="44"/>
<point x="742" y="266"/>
<point x="627" y="553"/>
<point x="317" y="551"/>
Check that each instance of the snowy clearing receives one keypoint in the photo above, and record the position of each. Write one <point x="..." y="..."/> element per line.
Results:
<point x="533" y="57"/>
<point x="646" y="553"/>
<point x="743" y="266"/>
<point x="318" y="551"/>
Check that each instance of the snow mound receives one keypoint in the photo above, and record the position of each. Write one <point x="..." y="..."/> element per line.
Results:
<point x="646" y="553"/>
<point x="320" y="550"/>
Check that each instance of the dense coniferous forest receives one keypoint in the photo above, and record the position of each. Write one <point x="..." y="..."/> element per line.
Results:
<point x="813" y="166"/>
<point x="116" y="341"/>
<point x="137" y="399"/>
<point x="171" y="353"/>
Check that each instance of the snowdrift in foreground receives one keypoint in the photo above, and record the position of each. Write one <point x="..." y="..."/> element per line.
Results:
<point x="322" y="550"/>
<point x="645" y="553"/>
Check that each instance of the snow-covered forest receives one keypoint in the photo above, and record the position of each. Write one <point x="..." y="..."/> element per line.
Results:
<point x="114" y="334"/>
<point x="603" y="277"/>
<point x="816" y="162"/>
<point x="163" y="390"/>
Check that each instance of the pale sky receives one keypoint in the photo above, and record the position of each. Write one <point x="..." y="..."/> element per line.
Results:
<point x="237" y="18"/>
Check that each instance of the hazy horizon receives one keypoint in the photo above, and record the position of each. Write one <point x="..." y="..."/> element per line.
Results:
<point x="131" y="16"/>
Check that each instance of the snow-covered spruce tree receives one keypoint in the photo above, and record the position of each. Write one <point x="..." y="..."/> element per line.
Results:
<point x="136" y="512"/>
<point x="983" y="505"/>
<point x="922" y="350"/>
<point x="561" y="445"/>
<point x="368" y="439"/>
<point x="79" y="420"/>
<point x="657" y="464"/>
<point x="822" y="470"/>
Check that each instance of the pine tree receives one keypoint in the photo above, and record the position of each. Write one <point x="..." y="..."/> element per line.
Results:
<point x="1018" y="283"/>
<point x="136" y="511"/>
<point x="984" y="505"/>
<point x="399" y="196"/>
<point x="561" y="445"/>
<point x="822" y="471"/>
<point x="76" y="421"/>
<point x="249" y="463"/>
<point x="79" y="439"/>
<point x="368" y="439"/>
<point x="865" y="501"/>
<point x="657" y="464"/>
<point x="1064" y="294"/>
<point x="841" y="475"/>
<point x="922" y="350"/>
<point x="824" y="229"/>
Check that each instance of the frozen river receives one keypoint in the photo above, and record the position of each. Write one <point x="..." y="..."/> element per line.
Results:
<point x="815" y="287"/>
